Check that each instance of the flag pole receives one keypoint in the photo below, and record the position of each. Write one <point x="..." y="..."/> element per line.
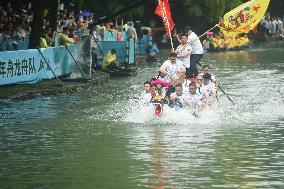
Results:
<point x="205" y="33"/>
<point x="168" y="24"/>
<point x="208" y="30"/>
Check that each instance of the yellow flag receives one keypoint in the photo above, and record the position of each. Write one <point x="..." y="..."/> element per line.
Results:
<point x="243" y="18"/>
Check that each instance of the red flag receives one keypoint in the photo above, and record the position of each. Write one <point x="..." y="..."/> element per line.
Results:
<point x="163" y="10"/>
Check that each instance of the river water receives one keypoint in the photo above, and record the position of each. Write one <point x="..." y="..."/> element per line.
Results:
<point x="100" y="138"/>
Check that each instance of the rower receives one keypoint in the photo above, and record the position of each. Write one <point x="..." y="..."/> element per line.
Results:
<point x="171" y="88"/>
<point x="170" y="67"/>
<point x="184" y="80"/>
<point x="160" y="79"/>
<point x="205" y="70"/>
<point x="146" y="96"/>
<point x="199" y="83"/>
<point x="177" y="98"/>
<point x="209" y="88"/>
<point x="194" y="99"/>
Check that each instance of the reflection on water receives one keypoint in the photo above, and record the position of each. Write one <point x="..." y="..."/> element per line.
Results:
<point x="185" y="156"/>
<point x="101" y="138"/>
<point x="31" y="110"/>
<point x="182" y="157"/>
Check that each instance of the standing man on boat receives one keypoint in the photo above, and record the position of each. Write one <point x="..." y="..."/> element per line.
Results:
<point x="197" y="51"/>
<point x="184" y="50"/>
<point x="196" y="54"/>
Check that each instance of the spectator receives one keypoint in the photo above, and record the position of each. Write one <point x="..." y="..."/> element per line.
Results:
<point x="131" y="31"/>
<point x="125" y="26"/>
<point x="42" y="40"/>
<point x="279" y="26"/>
<point x="63" y="38"/>
<point x="74" y="36"/>
<point x="100" y="32"/>
<point x="119" y="34"/>
<point x="49" y="36"/>
<point x="110" y="62"/>
<point x="152" y="50"/>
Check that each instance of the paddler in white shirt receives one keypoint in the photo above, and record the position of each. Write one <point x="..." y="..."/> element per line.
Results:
<point x="171" y="67"/>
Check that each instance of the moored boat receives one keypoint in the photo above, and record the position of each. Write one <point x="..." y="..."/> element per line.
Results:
<point x="122" y="72"/>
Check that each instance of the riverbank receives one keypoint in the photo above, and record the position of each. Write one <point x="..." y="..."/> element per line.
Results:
<point x="51" y="87"/>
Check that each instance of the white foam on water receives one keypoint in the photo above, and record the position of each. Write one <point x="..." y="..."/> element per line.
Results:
<point x="258" y="101"/>
<point x="145" y="114"/>
<point x="258" y="98"/>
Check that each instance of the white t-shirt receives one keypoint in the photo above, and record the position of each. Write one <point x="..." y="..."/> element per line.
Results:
<point x="280" y="26"/>
<point x="193" y="99"/>
<point x="180" y="99"/>
<point x="194" y="41"/>
<point x="125" y="26"/>
<point x="183" y="50"/>
<point x="208" y="89"/>
<point x="172" y="68"/>
<point x="185" y="85"/>
<point x="146" y="98"/>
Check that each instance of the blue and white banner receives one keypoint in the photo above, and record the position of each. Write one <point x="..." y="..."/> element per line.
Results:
<point x="28" y="66"/>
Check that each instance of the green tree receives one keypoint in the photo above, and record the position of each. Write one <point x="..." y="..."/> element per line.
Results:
<point x="275" y="8"/>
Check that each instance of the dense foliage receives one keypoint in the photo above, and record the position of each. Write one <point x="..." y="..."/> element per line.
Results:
<point x="201" y="14"/>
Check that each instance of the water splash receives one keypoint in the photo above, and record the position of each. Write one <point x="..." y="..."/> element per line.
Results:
<point x="255" y="103"/>
<point x="145" y="114"/>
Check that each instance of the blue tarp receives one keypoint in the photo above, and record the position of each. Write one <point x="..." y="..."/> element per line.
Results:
<point x="125" y="50"/>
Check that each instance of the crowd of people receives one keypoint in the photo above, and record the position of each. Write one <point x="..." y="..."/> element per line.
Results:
<point x="179" y="91"/>
<point x="219" y="43"/>
<point x="179" y="83"/>
<point x="272" y="27"/>
<point x="15" y="23"/>
<point x="71" y="26"/>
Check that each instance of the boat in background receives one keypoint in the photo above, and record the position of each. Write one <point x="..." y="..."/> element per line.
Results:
<point x="122" y="72"/>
